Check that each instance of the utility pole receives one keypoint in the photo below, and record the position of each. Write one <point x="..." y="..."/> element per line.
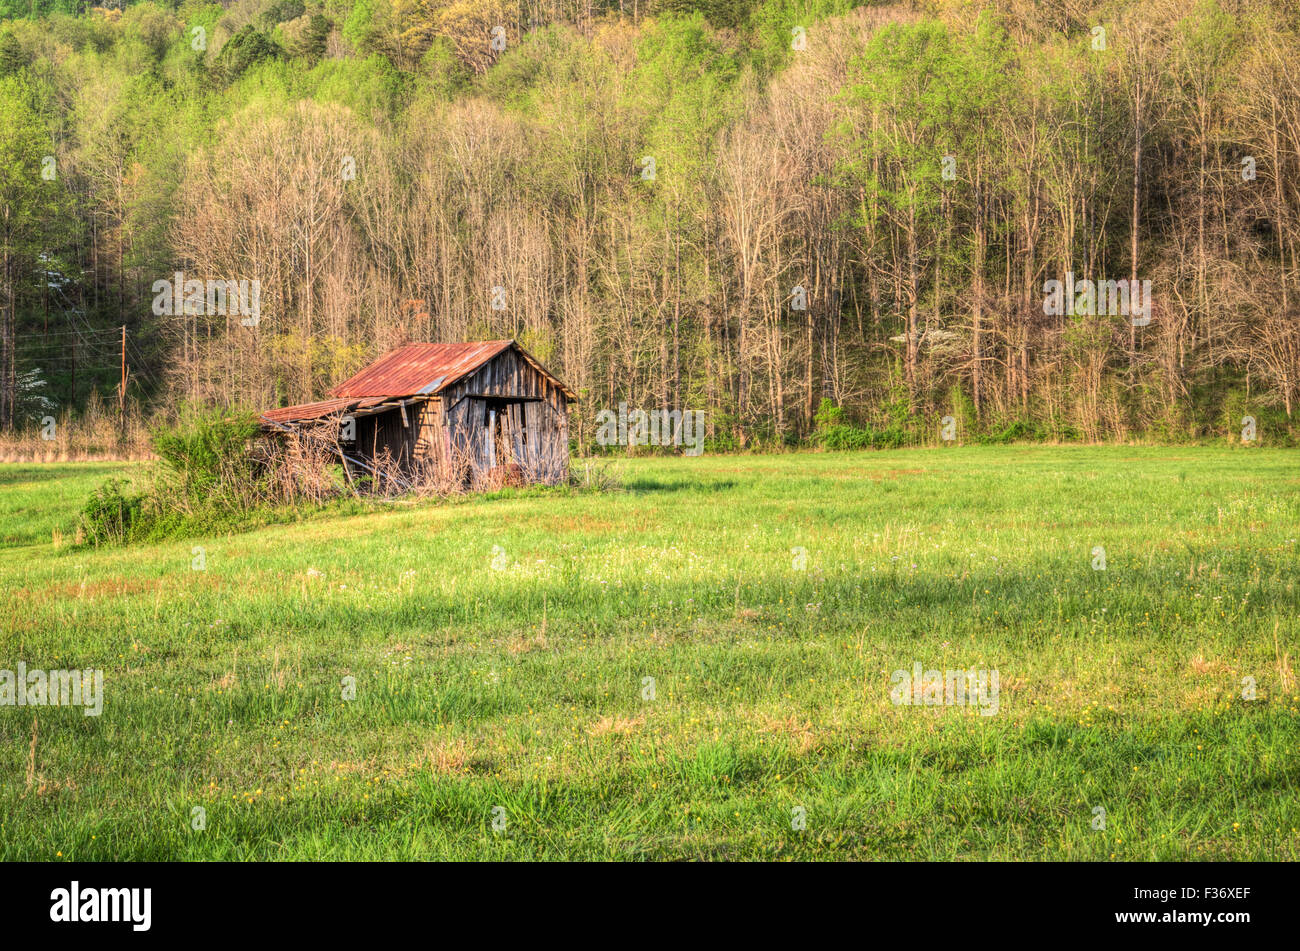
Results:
<point x="121" y="389"/>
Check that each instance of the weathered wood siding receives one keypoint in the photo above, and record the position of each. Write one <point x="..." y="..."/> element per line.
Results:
<point x="506" y="414"/>
<point x="430" y="436"/>
<point x="385" y="431"/>
<point x="532" y="411"/>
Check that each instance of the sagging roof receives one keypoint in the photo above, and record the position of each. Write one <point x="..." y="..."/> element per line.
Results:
<point x="415" y="370"/>
<point x="424" y="369"/>
<point x="309" y="411"/>
<point x="420" y="368"/>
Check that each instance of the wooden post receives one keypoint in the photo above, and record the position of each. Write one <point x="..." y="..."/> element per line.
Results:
<point x="121" y="387"/>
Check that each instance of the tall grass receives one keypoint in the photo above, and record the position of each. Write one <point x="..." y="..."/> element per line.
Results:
<point x="501" y="648"/>
<point x="95" y="432"/>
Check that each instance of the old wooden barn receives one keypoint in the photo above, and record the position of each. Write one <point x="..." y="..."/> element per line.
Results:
<point x="474" y="413"/>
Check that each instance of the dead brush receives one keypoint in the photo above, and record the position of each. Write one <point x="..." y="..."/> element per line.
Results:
<point x="618" y="726"/>
<point x="96" y="433"/>
<point x="596" y="477"/>
<point x="301" y="464"/>
<point x="1283" y="660"/>
<point x="443" y="478"/>
<point x="298" y="464"/>
<point x="302" y="470"/>
<point x="549" y="465"/>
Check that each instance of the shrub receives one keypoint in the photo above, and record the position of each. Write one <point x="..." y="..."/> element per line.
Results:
<point x="206" y="479"/>
<point x="1272" y="427"/>
<point x="834" y="432"/>
<point x="110" y="515"/>
<point x="1015" y="431"/>
<point x="206" y="459"/>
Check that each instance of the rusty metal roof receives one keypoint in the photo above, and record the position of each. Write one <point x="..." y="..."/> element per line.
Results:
<point x="420" y="369"/>
<point x="423" y="369"/>
<point x="308" y="411"/>
<point x="417" y="369"/>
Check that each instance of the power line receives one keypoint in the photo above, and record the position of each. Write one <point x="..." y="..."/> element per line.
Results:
<point x="143" y="364"/>
<point x="62" y="333"/>
<point x="63" y="348"/>
<point x="127" y="343"/>
<point x="89" y="347"/>
<point x="69" y="368"/>
<point x="94" y="348"/>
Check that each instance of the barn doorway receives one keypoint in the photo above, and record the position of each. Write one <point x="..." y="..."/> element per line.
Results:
<point x="504" y="437"/>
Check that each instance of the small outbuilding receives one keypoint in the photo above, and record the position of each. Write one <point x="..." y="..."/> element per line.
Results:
<point x="483" y="413"/>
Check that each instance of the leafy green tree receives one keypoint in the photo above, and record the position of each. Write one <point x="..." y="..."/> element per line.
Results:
<point x="360" y="28"/>
<point x="34" y="222"/>
<point x="12" y="55"/>
<point x="247" y="48"/>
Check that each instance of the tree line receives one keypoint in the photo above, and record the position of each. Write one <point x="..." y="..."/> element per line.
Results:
<point x="779" y="213"/>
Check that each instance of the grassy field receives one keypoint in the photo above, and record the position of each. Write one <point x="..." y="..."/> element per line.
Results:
<point x="500" y="649"/>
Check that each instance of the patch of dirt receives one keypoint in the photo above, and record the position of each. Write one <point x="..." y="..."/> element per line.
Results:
<point x="1202" y="667"/>
<point x="619" y="726"/>
<point x="519" y="644"/>
<point x="115" y="587"/>
<point x="800" y="731"/>
<point x="447" y="756"/>
<point x="878" y="475"/>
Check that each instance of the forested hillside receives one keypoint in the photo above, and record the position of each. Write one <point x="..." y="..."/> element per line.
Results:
<point x="745" y="208"/>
